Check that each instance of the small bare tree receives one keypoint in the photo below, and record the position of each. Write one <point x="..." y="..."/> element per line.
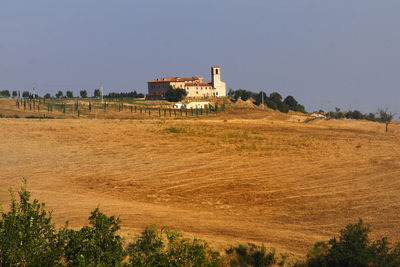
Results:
<point x="385" y="116"/>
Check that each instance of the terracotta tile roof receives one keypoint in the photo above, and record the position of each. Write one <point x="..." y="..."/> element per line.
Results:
<point x="176" y="79"/>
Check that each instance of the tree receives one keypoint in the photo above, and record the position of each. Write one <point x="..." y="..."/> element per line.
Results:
<point x="291" y="102"/>
<point x="243" y="94"/>
<point x="385" y="117"/>
<point x="5" y="93"/>
<point x="370" y="117"/>
<point x="97" y="93"/>
<point x="27" y="234"/>
<point x="357" y="115"/>
<point x="259" y="98"/>
<point x="70" y="94"/>
<point x="283" y="108"/>
<point x="175" y="95"/>
<point x="47" y="95"/>
<point x="60" y="94"/>
<point x="276" y="98"/>
<point x="271" y="104"/>
<point x="26" y="94"/>
<point x="14" y="94"/>
<point x="300" y="108"/>
<point x="83" y="93"/>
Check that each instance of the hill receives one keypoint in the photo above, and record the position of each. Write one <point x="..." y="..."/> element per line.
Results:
<point x="243" y="175"/>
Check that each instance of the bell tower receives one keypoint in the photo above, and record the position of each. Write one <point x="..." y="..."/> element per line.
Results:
<point x="219" y="85"/>
<point x="215" y="74"/>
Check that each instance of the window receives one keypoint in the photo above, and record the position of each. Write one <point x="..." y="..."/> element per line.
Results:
<point x="216" y="71"/>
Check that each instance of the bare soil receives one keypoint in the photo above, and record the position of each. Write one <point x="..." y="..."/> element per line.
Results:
<point x="242" y="176"/>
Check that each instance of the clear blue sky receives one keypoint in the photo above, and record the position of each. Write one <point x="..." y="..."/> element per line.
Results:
<point x="341" y="53"/>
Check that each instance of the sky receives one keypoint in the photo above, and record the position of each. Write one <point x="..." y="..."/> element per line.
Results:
<point x="326" y="54"/>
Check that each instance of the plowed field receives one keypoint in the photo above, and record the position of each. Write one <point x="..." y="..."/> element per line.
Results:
<point x="245" y="176"/>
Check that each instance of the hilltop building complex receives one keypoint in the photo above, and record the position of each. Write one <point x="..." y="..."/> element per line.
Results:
<point x="194" y="86"/>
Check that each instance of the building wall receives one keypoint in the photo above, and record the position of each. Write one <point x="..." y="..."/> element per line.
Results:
<point x="217" y="88"/>
<point x="159" y="88"/>
<point x="200" y="91"/>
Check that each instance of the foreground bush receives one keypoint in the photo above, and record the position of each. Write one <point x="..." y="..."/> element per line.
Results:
<point x="95" y="245"/>
<point x="250" y="256"/>
<point x="353" y="248"/>
<point x="27" y="235"/>
<point x="151" y="250"/>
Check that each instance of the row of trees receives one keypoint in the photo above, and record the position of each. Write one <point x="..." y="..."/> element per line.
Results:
<point x="133" y="94"/>
<point x="70" y="94"/>
<point x="383" y="115"/>
<point x="273" y="101"/>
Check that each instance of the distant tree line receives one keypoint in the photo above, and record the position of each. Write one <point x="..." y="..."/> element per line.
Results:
<point x="70" y="94"/>
<point x="273" y="101"/>
<point x="383" y="115"/>
<point x="133" y="94"/>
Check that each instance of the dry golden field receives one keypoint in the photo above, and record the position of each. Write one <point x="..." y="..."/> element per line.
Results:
<point x="242" y="176"/>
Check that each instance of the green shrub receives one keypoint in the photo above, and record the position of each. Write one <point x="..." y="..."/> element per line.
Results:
<point x="150" y="250"/>
<point x="95" y="245"/>
<point x="28" y="235"/>
<point x="251" y="255"/>
<point x="353" y="248"/>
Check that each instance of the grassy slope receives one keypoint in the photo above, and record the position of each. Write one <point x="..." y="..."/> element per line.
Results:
<point x="245" y="175"/>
